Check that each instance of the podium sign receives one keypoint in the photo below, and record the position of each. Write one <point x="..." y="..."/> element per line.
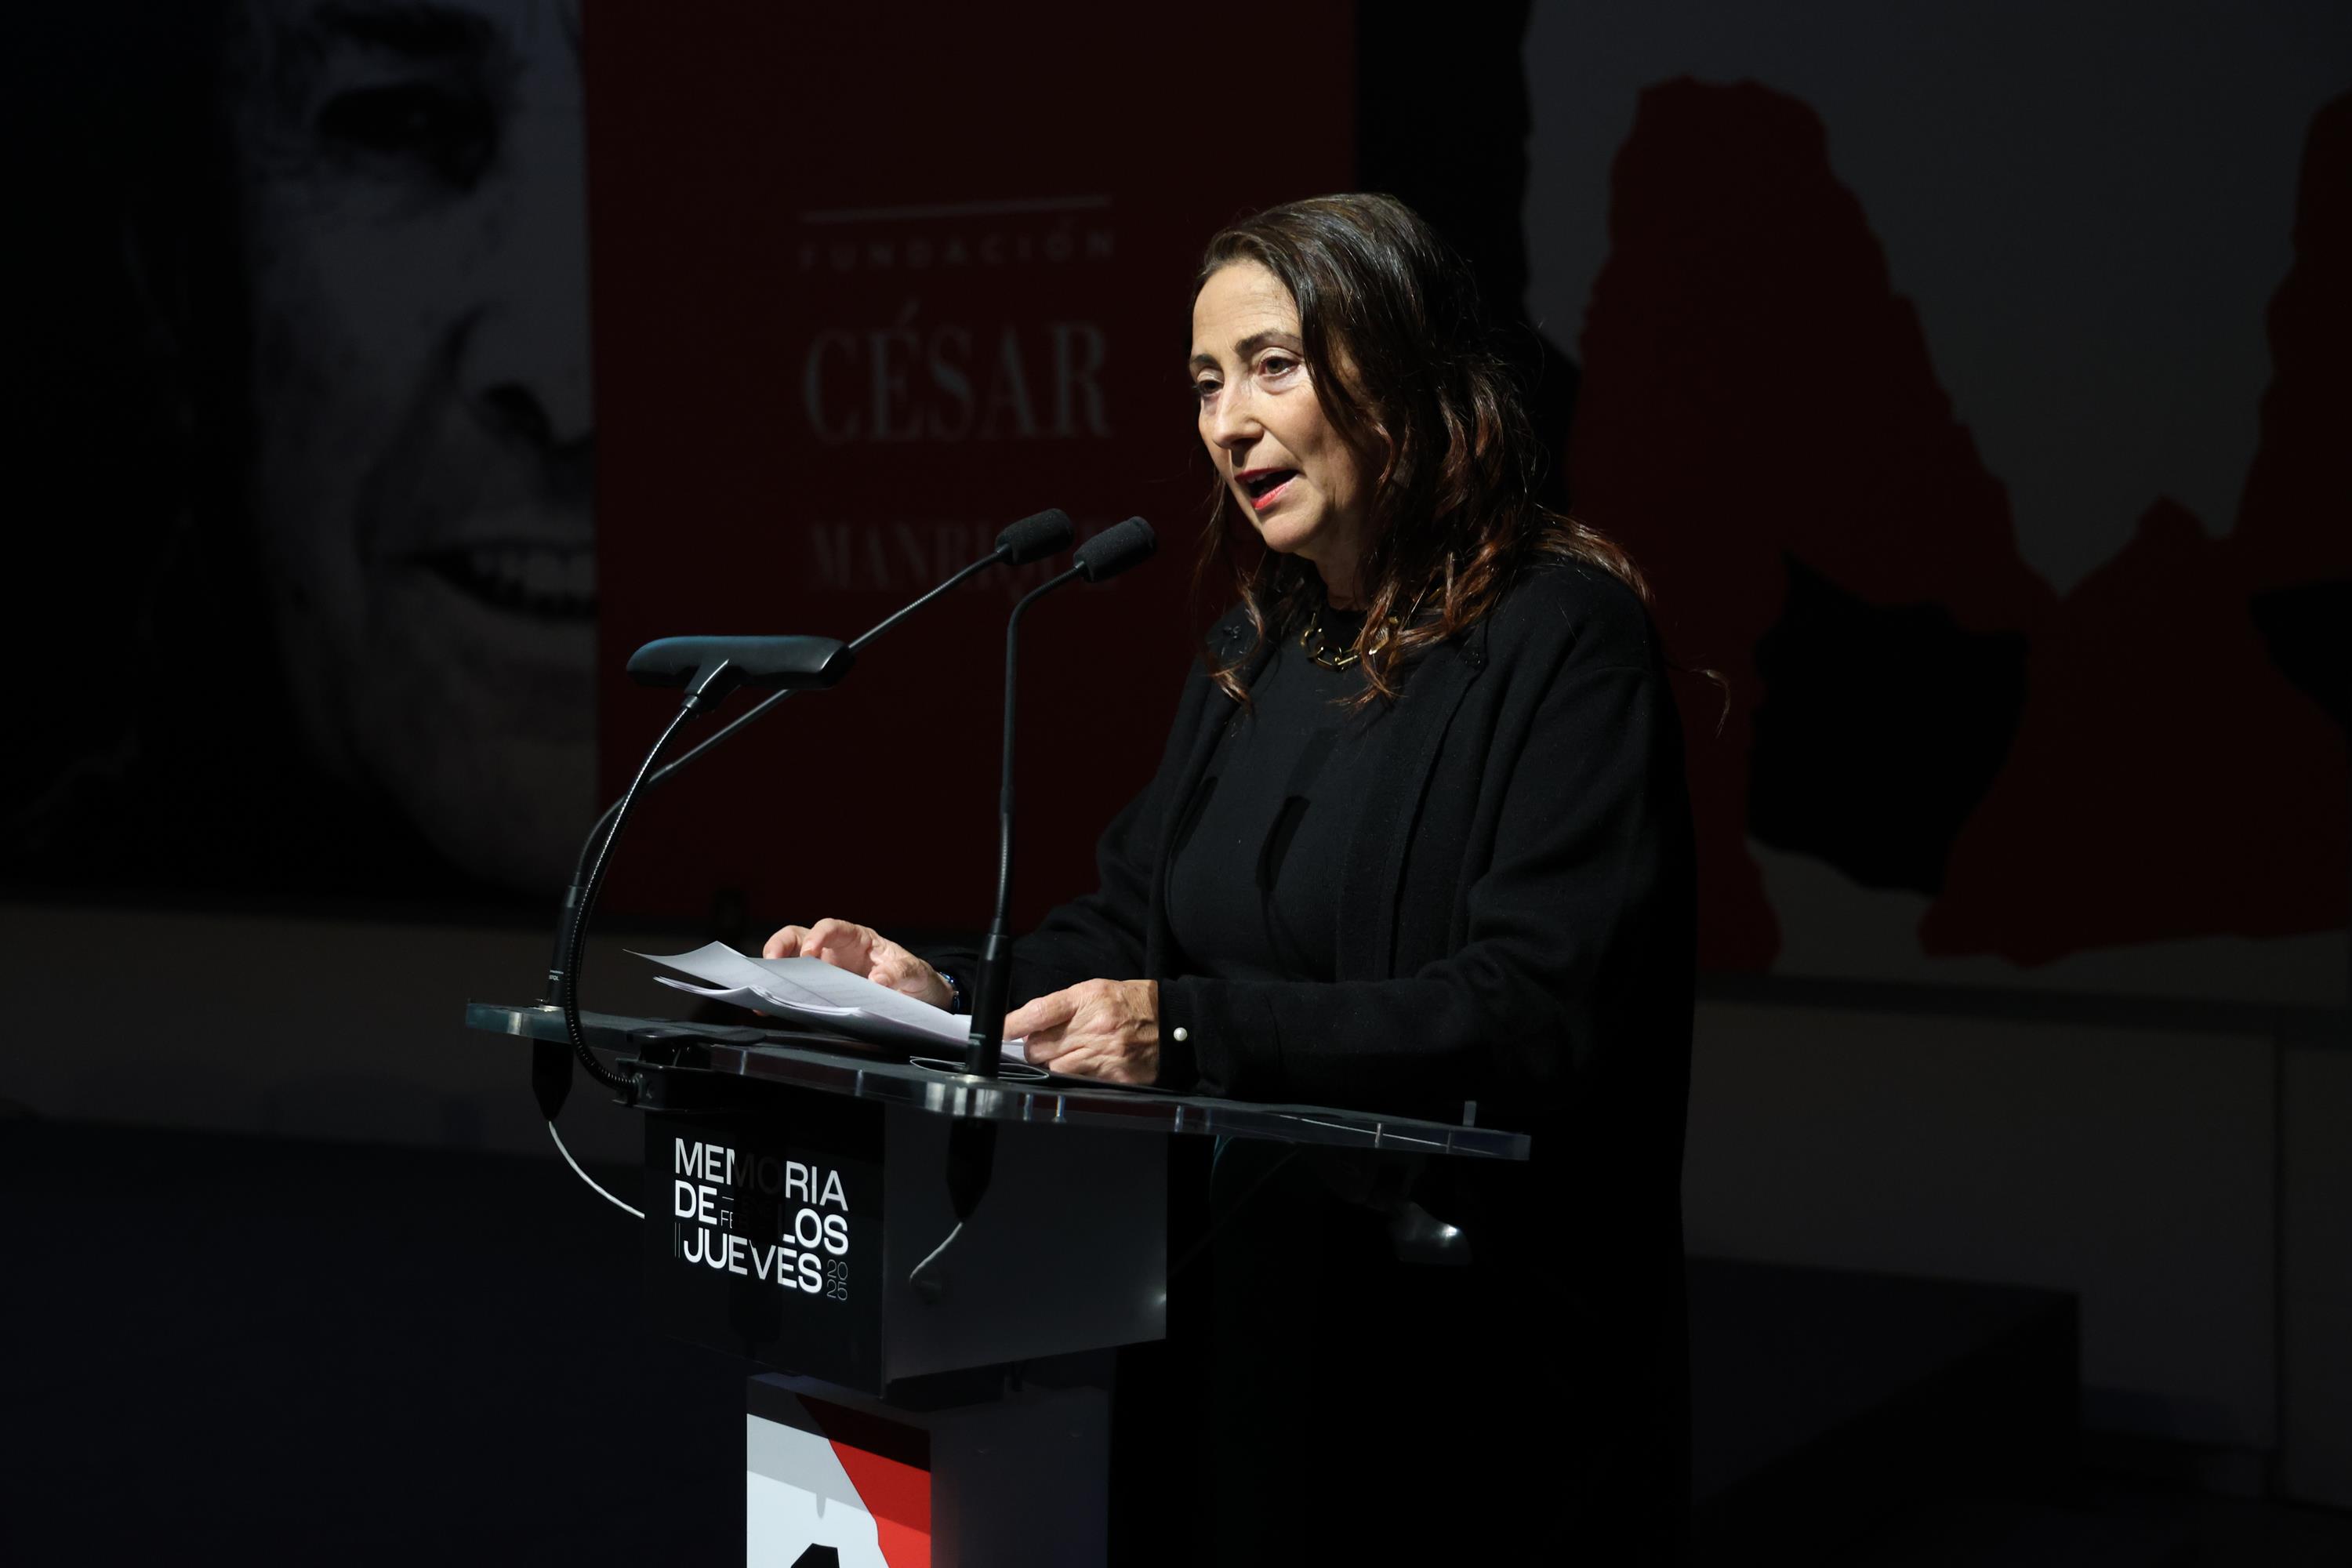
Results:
<point x="768" y="1238"/>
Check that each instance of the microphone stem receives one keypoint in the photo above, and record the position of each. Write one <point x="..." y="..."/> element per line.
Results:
<point x="1004" y="767"/>
<point x="996" y="958"/>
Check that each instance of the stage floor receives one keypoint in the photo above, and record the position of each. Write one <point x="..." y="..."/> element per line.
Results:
<point x="312" y="1350"/>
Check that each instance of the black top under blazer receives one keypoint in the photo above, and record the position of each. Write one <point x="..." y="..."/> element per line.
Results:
<point x="1517" y="928"/>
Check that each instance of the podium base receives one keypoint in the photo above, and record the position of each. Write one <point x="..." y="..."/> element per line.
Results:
<point x="990" y="1471"/>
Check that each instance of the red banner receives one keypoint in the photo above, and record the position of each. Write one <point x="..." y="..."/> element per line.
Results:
<point x="858" y="304"/>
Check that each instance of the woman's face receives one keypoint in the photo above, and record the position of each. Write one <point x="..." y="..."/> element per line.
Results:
<point x="1288" y="466"/>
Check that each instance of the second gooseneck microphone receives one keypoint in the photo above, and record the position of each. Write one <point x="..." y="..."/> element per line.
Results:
<point x="1032" y="538"/>
<point x="1099" y="559"/>
<point x="688" y="661"/>
<point x="710" y="668"/>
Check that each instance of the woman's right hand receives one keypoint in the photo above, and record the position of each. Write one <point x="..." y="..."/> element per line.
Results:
<point x="862" y="949"/>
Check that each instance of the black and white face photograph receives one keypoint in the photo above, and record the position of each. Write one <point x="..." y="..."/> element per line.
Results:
<point x="407" y="194"/>
<point x="1554" y="783"/>
<point x="353" y="268"/>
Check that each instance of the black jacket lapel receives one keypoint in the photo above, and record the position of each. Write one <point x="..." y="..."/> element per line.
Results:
<point x="1403" y="759"/>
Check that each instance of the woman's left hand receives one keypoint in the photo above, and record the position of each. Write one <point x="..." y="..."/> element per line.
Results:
<point x="1108" y="1030"/>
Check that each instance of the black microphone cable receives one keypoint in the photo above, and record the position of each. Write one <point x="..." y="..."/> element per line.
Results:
<point x="579" y="908"/>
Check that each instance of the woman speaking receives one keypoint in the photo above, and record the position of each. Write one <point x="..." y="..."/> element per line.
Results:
<point x="1419" y="841"/>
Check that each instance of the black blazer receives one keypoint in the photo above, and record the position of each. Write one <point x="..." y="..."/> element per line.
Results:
<point x="1517" y="918"/>
<point x="1518" y="929"/>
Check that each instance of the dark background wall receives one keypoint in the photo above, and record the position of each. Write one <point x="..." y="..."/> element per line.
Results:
<point x="1962" y="382"/>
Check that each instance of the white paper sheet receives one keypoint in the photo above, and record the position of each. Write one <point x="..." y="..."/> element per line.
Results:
<point x="812" y="991"/>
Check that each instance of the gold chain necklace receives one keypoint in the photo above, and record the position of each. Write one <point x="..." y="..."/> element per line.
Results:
<point x="1310" y="643"/>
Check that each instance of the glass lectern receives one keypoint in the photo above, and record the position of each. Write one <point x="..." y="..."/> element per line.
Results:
<point x="937" y="1264"/>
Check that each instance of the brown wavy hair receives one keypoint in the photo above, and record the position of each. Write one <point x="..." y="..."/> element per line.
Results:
<point x="1427" y="400"/>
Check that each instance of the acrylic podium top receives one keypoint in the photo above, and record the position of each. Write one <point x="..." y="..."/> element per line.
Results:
<point x="876" y="1073"/>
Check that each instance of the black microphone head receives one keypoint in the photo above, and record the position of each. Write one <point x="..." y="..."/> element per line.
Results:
<point x="1049" y="532"/>
<point x="786" y="661"/>
<point x="1115" y="548"/>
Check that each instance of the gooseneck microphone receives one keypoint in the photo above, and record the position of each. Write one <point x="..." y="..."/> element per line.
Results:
<point x="1032" y="538"/>
<point x="1099" y="559"/>
<point x="709" y="668"/>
